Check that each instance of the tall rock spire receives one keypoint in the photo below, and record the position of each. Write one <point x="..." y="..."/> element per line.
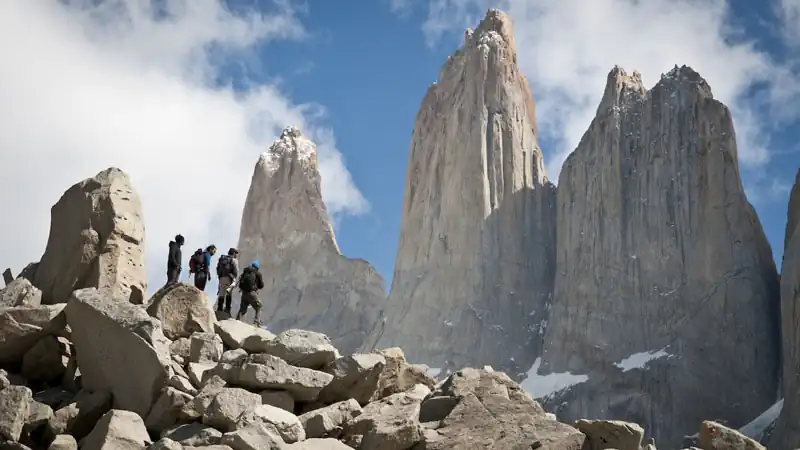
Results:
<point x="665" y="289"/>
<point x="473" y="274"/>
<point x="285" y="226"/>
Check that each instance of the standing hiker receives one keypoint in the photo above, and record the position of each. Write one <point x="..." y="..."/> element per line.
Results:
<point x="227" y="271"/>
<point x="174" y="258"/>
<point x="199" y="265"/>
<point x="249" y="283"/>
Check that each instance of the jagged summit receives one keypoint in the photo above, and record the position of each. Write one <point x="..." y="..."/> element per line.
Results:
<point x="291" y="146"/>
<point x="495" y="28"/>
<point x="621" y="88"/>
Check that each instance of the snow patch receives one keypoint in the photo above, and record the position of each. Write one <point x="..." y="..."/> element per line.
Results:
<point x="539" y="386"/>
<point x="755" y="429"/>
<point x="291" y="143"/>
<point x="641" y="359"/>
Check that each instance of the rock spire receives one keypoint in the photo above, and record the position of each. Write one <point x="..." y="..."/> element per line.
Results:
<point x="285" y="226"/>
<point x="473" y="272"/>
<point x="665" y="287"/>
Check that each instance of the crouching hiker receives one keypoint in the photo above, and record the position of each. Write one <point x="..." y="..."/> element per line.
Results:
<point x="249" y="283"/>
<point x="227" y="271"/>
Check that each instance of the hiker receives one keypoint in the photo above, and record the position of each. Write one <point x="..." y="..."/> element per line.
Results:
<point x="199" y="265"/>
<point x="174" y="260"/>
<point x="227" y="271"/>
<point x="249" y="283"/>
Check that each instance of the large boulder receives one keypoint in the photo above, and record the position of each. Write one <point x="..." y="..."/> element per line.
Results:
<point x="117" y="429"/>
<point x="603" y="434"/>
<point x="21" y="327"/>
<point x="20" y="292"/>
<point x="388" y="424"/>
<point x="234" y="333"/>
<point x="182" y="310"/>
<point x="299" y="348"/>
<point x="96" y="240"/>
<point x="262" y="372"/>
<point x="120" y="349"/>
<point x="15" y="402"/>
<point x="715" y="436"/>
<point x="482" y="409"/>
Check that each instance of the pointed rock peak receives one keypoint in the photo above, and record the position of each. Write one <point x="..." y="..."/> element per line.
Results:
<point x="290" y="147"/>
<point x="682" y="78"/>
<point x="496" y="28"/>
<point x="621" y="89"/>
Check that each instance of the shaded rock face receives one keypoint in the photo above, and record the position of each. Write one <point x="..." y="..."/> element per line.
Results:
<point x="96" y="240"/>
<point x="787" y="428"/>
<point x="474" y="267"/>
<point x="665" y="284"/>
<point x="309" y="284"/>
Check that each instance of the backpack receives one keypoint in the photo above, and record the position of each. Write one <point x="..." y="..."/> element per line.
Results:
<point x="197" y="262"/>
<point x="224" y="266"/>
<point x="247" y="282"/>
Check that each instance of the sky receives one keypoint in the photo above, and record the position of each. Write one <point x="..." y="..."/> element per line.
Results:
<point x="184" y="95"/>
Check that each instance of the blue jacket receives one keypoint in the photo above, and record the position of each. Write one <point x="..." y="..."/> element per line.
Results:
<point x="207" y="260"/>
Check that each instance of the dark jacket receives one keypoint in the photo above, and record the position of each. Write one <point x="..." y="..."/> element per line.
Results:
<point x="174" y="257"/>
<point x="259" y="278"/>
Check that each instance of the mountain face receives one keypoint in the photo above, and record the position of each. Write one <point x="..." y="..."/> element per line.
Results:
<point x="665" y="287"/>
<point x="309" y="284"/>
<point x="787" y="428"/>
<point x="474" y="268"/>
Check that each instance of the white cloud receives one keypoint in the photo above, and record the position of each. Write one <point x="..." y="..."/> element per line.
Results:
<point x="87" y="87"/>
<point x="566" y="48"/>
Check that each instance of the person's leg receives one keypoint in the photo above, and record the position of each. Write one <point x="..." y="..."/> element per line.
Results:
<point x="228" y="300"/>
<point x="200" y="281"/>
<point x="256" y="302"/>
<point x="243" y="306"/>
<point x="172" y="275"/>
<point x="221" y="292"/>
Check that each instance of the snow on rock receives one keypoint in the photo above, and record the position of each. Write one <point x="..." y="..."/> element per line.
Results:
<point x="539" y="386"/>
<point x="641" y="359"/>
<point x="755" y="429"/>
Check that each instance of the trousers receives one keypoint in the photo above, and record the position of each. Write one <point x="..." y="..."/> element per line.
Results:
<point x="225" y="294"/>
<point x="248" y="299"/>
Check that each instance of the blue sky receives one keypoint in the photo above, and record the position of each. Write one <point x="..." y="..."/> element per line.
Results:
<point x="184" y="97"/>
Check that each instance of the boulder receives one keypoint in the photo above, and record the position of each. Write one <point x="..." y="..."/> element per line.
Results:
<point x="354" y="376"/>
<point x="8" y="277"/>
<point x="299" y="348"/>
<point x="603" y="434"/>
<point x="15" y="402"/>
<point x="318" y="444"/>
<point x="182" y="309"/>
<point x="227" y="406"/>
<point x="197" y="372"/>
<point x="486" y="409"/>
<point x="20" y="292"/>
<point x="205" y="348"/>
<point x="166" y="410"/>
<point x="234" y="332"/>
<point x="327" y="421"/>
<point x="35" y="429"/>
<point x="79" y="417"/>
<point x="279" y="399"/>
<point x="194" y="409"/>
<point x="254" y="437"/>
<point x="388" y="424"/>
<point x="21" y="327"/>
<point x="287" y="424"/>
<point x="63" y="442"/>
<point x="165" y="444"/>
<point x="117" y="429"/>
<point x="180" y="349"/>
<point x="193" y="434"/>
<point x="182" y="384"/>
<point x="47" y="360"/>
<point x="263" y="371"/>
<point x="96" y="240"/>
<point x="120" y="349"/>
<point x="714" y="436"/>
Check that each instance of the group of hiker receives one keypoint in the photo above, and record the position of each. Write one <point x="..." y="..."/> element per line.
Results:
<point x="249" y="282"/>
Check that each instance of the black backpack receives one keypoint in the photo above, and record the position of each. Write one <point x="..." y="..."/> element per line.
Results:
<point x="247" y="282"/>
<point x="224" y="266"/>
<point x="197" y="262"/>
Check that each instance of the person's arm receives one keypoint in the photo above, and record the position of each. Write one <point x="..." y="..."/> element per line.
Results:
<point x="207" y="262"/>
<point x="235" y="273"/>
<point x="259" y="280"/>
<point x="173" y="257"/>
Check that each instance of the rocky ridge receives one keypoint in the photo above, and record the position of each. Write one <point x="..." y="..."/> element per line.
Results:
<point x="285" y="226"/>
<point x="475" y="260"/>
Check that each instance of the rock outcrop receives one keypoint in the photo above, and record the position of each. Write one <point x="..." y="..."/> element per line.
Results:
<point x="474" y="269"/>
<point x="96" y="240"/>
<point x="665" y="289"/>
<point x="786" y="435"/>
<point x="285" y="226"/>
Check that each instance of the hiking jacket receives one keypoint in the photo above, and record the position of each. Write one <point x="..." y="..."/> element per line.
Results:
<point x="207" y="261"/>
<point x="174" y="256"/>
<point x="259" y="279"/>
